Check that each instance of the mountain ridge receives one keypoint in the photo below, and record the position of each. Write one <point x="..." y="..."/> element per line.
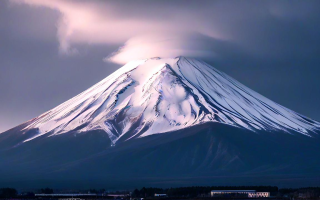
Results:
<point x="163" y="122"/>
<point x="135" y="99"/>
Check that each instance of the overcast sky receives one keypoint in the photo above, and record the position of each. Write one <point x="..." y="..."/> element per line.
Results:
<point x="51" y="50"/>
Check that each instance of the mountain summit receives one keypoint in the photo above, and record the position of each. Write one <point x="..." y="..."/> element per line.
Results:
<point x="160" y="95"/>
<point x="156" y="119"/>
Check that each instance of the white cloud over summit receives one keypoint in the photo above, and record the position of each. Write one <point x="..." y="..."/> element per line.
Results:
<point x="169" y="28"/>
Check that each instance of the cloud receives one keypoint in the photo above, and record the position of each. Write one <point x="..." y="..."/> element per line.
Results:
<point x="171" y="28"/>
<point x="164" y="46"/>
<point x="111" y="22"/>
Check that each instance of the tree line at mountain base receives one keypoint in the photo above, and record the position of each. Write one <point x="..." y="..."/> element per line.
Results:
<point x="204" y="191"/>
<point x="179" y="192"/>
<point x="197" y="191"/>
<point x="8" y="192"/>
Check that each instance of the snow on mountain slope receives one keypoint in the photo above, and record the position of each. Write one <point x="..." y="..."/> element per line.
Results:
<point x="160" y="95"/>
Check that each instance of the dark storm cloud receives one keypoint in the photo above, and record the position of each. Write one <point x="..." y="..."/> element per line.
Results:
<point x="270" y="46"/>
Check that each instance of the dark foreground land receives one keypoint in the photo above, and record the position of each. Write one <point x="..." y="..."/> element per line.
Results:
<point x="167" y="198"/>
<point x="206" y="154"/>
<point x="190" y="193"/>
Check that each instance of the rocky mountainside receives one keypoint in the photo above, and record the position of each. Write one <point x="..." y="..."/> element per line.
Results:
<point x="163" y="122"/>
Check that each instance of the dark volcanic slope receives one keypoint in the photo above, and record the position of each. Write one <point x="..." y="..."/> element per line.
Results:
<point x="207" y="154"/>
<point x="163" y="122"/>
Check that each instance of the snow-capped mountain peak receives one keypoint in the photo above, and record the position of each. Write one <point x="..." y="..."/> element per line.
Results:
<point x="156" y="95"/>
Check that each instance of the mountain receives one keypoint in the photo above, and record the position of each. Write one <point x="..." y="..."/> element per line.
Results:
<point x="163" y="122"/>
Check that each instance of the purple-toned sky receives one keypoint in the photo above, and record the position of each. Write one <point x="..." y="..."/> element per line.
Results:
<point x="51" y="50"/>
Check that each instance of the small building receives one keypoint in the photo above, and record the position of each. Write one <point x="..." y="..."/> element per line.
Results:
<point x="244" y="193"/>
<point x="230" y="192"/>
<point x="70" y="199"/>
<point x="259" y="195"/>
<point x="160" y="195"/>
<point x="66" y="196"/>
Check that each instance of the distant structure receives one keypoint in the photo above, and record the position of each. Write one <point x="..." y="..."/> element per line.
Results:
<point x="66" y="196"/>
<point x="160" y="195"/>
<point x="79" y="196"/>
<point x="70" y="199"/>
<point x="247" y="193"/>
<point x="118" y="195"/>
<point x="259" y="195"/>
